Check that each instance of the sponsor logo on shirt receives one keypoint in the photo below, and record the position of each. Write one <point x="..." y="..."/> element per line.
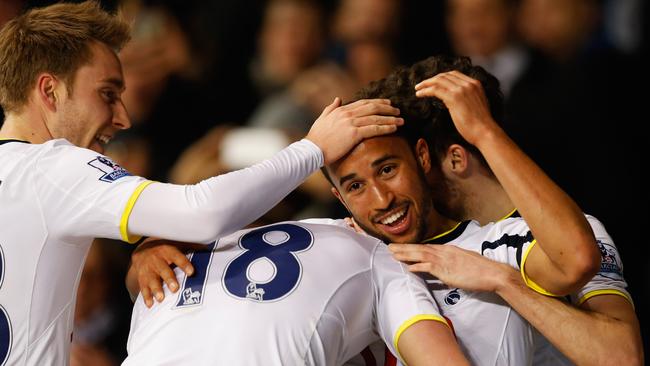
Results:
<point x="453" y="297"/>
<point x="111" y="170"/>
<point x="610" y="264"/>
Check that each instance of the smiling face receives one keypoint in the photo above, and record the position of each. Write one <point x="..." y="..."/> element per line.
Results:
<point x="381" y="183"/>
<point x="90" y="116"/>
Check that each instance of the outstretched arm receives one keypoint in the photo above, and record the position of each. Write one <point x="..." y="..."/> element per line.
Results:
<point x="566" y="255"/>
<point x="220" y="205"/>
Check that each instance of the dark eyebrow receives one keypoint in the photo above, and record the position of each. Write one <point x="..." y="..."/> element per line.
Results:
<point x="382" y="160"/>
<point x="118" y="83"/>
<point x="346" y="178"/>
<point x="373" y="164"/>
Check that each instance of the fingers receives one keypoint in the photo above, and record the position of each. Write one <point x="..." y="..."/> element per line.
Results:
<point x="377" y="120"/>
<point x="146" y="296"/>
<point x="420" y="267"/>
<point x="368" y="107"/>
<point x="375" y="130"/>
<point x="335" y="104"/>
<point x="177" y="258"/>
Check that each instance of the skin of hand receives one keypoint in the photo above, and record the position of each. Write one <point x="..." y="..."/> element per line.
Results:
<point x="353" y="224"/>
<point x="340" y="128"/>
<point x="603" y="331"/>
<point x="445" y="261"/>
<point x="553" y="217"/>
<point x="154" y="260"/>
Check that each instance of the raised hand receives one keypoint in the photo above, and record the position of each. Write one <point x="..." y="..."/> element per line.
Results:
<point x="466" y="101"/>
<point x="340" y="128"/>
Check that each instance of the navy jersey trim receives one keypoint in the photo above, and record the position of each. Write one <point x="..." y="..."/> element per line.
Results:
<point x="2" y="142"/>
<point x="513" y="241"/>
<point x="452" y="235"/>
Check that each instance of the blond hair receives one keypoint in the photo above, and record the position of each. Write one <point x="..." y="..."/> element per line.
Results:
<point x="54" y="39"/>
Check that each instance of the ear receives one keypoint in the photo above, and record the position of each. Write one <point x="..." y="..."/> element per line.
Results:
<point x="47" y="86"/>
<point x="337" y="194"/>
<point x="457" y="159"/>
<point x="422" y="155"/>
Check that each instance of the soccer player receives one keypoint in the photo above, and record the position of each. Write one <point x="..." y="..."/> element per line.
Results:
<point x="60" y="88"/>
<point x="294" y="293"/>
<point x="489" y="331"/>
<point x="597" y="325"/>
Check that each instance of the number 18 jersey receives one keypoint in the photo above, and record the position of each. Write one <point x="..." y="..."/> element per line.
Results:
<point x="287" y="294"/>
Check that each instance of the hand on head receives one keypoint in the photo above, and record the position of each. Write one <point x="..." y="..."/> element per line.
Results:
<point x="340" y="128"/>
<point x="465" y="99"/>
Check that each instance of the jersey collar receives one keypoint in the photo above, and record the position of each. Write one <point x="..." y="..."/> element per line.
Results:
<point x="513" y="213"/>
<point x="5" y="141"/>
<point x="450" y="235"/>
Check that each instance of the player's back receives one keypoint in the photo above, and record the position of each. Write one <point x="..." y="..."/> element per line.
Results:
<point x="44" y="240"/>
<point x="285" y="294"/>
<point x="25" y="292"/>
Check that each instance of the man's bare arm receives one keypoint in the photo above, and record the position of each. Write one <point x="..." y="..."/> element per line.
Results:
<point x="604" y="331"/>
<point x="429" y="342"/>
<point x="566" y="255"/>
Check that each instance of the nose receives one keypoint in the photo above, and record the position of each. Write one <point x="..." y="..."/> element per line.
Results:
<point x="382" y="197"/>
<point x="121" y="118"/>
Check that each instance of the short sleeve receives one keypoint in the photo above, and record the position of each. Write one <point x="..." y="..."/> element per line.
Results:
<point x="85" y="194"/>
<point x="609" y="280"/>
<point x="401" y="298"/>
<point x="511" y="242"/>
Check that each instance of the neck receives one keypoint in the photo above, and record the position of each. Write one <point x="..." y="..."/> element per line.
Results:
<point x="487" y="201"/>
<point x="28" y="125"/>
<point x="438" y="224"/>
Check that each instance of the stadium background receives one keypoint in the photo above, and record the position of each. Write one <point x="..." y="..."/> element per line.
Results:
<point x="216" y="84"/>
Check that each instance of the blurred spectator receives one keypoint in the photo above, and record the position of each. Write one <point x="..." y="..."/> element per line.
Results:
<point x="8" y="10"/>
<point x="291" y="39"/>
<point x="574" y="111"/>
<point x="484" y="31"/>
<point x="158" y="49"/>
<point x="103" y="309"/>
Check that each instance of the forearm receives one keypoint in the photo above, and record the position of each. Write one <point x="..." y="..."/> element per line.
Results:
<point x="562" y="232"/>
<point x="221" y="205"/>
<point x="585" y="337"/>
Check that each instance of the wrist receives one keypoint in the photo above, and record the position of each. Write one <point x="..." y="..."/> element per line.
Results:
<point x="506" y="279"/>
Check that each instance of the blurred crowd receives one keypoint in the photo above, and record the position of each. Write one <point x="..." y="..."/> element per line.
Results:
<point x="216" y="85"/>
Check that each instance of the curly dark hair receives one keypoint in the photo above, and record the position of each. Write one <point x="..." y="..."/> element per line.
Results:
<point x="429" y="118"/>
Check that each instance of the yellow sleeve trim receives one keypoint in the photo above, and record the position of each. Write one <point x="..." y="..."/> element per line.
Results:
<point x="530" y="283"/>
<point x="595" y="293"/>
<point x="410" y="322"/>
<point x="124" y="222"/>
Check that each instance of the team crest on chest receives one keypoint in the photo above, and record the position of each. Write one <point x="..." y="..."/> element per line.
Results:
<point x="111" y="170"/>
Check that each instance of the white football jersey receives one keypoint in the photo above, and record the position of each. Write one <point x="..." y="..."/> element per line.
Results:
<point x="608" y="281"/>
<point x="55" y="199"/>
<point x="488" y="330"/>
<point x="312" y="292"/>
